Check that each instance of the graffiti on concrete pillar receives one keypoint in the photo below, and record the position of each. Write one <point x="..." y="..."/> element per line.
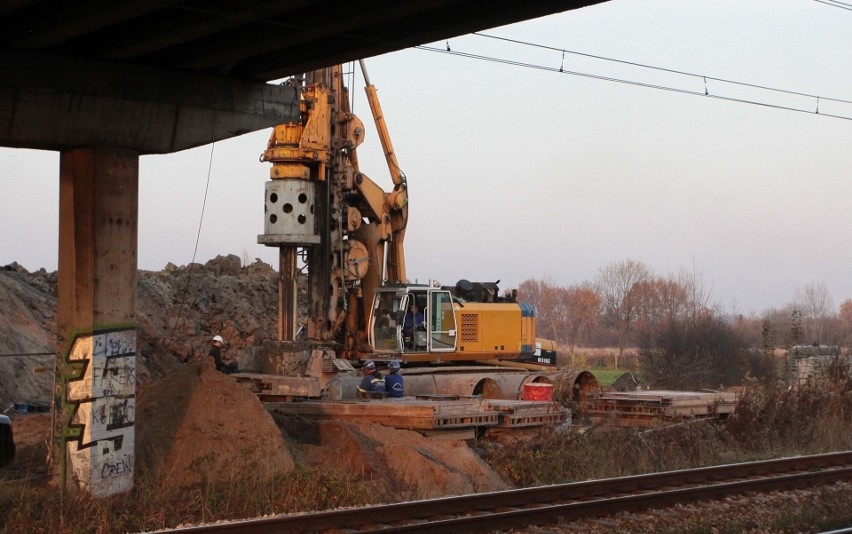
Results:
<point x="99" y="436"/>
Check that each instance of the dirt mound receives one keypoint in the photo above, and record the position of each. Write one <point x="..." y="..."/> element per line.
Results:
<point x="199" y="425"/>
<point x="27" y="325"/>
<point x="178" y="311"/>
<point x="409" y="464"/>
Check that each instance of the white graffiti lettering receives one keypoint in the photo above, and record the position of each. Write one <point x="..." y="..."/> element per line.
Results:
<point x="105" y="398"/>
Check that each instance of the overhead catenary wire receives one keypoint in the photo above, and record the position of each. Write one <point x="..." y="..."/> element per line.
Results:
<point x="661" y="69"/>
<point x="704" y="93"/>
<point x="448" y="49"/>
<point x="836" y="3"/>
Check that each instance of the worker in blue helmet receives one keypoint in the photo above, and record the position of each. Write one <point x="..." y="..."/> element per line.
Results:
<point x="373" y="381"/>
<point x="393" y="382"/>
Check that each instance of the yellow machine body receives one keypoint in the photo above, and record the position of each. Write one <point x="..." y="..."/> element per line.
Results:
<point x="452" y="329"/>
<point x="494" y="328"/>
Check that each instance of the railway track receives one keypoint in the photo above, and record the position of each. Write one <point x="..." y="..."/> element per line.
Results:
<point x="561" y="502"/>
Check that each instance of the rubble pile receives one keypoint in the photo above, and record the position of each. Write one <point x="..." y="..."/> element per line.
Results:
<point x="178" y="310"/>
<point x="27" y="327"/>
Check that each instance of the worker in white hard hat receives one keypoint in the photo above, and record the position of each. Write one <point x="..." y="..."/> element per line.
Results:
<point x="216" y="353"/>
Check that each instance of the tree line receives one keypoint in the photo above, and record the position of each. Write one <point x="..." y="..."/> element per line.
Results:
<point x="684" y="339"/>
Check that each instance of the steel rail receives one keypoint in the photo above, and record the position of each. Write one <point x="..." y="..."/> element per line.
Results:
<point x="559" y="502"/>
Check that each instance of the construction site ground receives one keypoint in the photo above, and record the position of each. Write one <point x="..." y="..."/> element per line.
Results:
<point x="194" y="423"/>
<point x="199" y="425"/>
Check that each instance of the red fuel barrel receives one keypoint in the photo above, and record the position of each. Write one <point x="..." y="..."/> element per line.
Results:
<point x="538" y="391"/>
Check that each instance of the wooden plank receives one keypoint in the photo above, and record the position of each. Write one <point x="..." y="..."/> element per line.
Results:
<point x="462" y="434"/>
<point x="515" y="421"/>
<point x="409" y="414"/>
<point x="518" y="406"/>
<point x="648" y="408"/>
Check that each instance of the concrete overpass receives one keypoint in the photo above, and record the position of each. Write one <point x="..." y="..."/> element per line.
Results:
<point x="104" y="82"/>
<point x="166" y="75"/>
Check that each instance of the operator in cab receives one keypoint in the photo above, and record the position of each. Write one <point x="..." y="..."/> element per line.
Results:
<point x="413" y="321"/>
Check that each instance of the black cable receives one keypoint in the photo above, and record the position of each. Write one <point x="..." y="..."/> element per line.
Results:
<point x="627" y="82"/>
<point x="662" y="69"/>
<point x="835" y="3"/>
<point x="27" y="354"/>
<point x="197" y="239"/>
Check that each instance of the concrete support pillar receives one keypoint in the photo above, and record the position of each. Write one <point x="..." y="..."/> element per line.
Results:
<point x="96" y="369"/>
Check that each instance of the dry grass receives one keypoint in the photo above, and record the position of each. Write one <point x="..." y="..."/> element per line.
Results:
<point x="596" y="358"/>
<point x="152" y="505"/>
<point x="771" y="421"/>
<point x="602" y="452"/>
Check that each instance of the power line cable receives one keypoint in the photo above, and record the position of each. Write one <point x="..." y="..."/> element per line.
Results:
<point x="662" y="69"/>
<point x="835" y="3"/>
<point x="704" y="93"/>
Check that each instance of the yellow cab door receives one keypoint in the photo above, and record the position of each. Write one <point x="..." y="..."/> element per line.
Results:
<point x="441" y="321"/>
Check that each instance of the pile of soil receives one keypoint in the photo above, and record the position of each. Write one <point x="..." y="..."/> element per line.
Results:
<point x="178" y="311"/>
<point x="410" y="465"/>
<point x="27" y="326"/>
<point x="199" y="425"/>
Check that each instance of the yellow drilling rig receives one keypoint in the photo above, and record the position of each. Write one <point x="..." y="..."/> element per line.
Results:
<point x="329" y="218"/>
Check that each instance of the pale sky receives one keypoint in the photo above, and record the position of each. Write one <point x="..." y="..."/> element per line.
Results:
<point x="518" y="173"/>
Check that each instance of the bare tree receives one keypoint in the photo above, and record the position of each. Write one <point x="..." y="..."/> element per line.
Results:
<point x="662" y="301"/>
<point x="583" y="312"/>
<point x="817" y="308"/>
<point x="699" y="293"/>
<point x="845" y="321"/>
<point x="780" y="321"/>
<point x="618" y="284"/>
<point x="542" y="294"/>
<point x="554" y="306"/>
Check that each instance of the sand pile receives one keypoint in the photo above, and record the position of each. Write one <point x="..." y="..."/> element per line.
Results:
<point x="199" y="425"/>
<point x="410" y="465"/>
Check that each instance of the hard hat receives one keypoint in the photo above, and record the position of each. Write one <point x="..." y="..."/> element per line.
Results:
<point x="393" y="365"/>
<point x="369" y="364"/>
<point x="218" y="338"/>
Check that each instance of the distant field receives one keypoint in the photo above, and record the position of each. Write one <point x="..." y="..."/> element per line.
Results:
<point x="606" y="377"/>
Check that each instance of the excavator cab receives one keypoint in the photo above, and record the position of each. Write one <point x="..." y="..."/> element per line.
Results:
<point x="413" y="319"/>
